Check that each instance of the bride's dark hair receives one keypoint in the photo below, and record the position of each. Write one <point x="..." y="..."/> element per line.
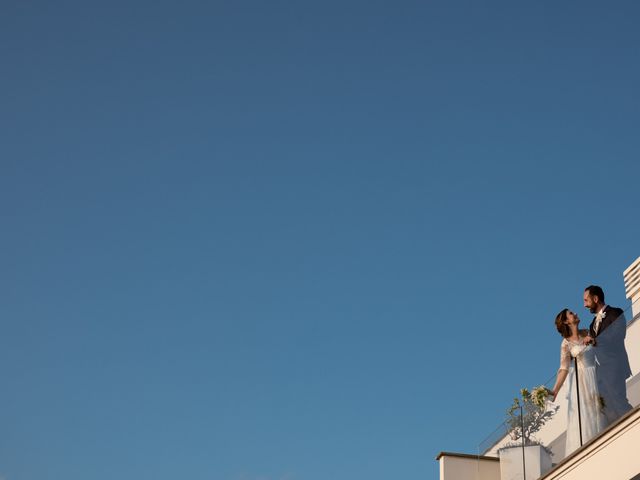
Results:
<point x="562" y="327"/>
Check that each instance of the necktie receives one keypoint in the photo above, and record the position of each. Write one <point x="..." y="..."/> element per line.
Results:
<point x="599" y="317"/>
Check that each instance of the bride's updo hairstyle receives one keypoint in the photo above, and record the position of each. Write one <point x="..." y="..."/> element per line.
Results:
<point x="562" y="327"/>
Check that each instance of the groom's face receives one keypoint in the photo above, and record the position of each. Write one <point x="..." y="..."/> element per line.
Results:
<point x="590" y="302"/>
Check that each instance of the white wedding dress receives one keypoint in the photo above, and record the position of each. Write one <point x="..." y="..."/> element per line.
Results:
<point x="591" y="417"/>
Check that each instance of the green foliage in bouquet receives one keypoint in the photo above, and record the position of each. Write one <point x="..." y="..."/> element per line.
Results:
<point x="528" y="414"/>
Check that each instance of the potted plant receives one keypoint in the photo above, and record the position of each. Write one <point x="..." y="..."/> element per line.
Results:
<point x="525" y="454"/>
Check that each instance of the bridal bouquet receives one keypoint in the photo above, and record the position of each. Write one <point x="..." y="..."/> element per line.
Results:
<point x="539" y="396"/>
<point x="528" y="414"/>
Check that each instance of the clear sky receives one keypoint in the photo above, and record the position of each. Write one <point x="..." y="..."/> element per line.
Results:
<point x="299" y="240"/>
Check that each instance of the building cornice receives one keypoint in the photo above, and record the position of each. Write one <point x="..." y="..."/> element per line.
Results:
<point x="466" y="455"/>
<point x="632" y="279"/>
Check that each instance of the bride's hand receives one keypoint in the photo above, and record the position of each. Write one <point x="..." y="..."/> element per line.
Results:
<point x="588" y="340"/>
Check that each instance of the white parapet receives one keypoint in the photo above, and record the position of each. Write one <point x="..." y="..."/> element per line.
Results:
<point x="632" y="340"/>
<point x="611" y="456"/>
<point x="461" y="466"/>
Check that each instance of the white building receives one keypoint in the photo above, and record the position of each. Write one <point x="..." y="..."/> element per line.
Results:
<point x="613" y="455"/>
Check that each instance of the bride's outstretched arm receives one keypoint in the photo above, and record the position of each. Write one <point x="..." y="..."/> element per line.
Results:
<point x="562" y="376"/>
<point x="565" y="363"/>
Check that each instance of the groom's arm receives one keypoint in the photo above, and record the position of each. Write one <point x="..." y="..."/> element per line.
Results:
<point x="612" y="315"/>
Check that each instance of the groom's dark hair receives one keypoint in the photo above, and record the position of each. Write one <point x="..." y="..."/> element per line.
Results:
<point x="595" y="290"/>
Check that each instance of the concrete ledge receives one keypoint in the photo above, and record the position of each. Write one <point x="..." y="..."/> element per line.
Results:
<point x="466" y="455"/>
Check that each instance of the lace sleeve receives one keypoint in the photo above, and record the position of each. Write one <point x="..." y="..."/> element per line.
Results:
<point x="565" y="356"/>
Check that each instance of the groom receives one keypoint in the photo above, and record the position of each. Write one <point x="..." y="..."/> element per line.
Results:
<point x="609" y="328"/>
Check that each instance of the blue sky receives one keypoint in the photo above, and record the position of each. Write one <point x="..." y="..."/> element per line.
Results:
<point x="299" y="240"/>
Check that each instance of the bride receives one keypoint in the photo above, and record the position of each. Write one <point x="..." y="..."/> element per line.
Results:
<point x="591" y="404"/>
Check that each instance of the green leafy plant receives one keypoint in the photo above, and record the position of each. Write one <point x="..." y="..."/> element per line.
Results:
<point x="527" y="414"/>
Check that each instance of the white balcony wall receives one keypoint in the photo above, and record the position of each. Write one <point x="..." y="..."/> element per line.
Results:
<point x="632" y="344"/>
<point x="613" y="456"/>
<point x="466" y="467"/>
